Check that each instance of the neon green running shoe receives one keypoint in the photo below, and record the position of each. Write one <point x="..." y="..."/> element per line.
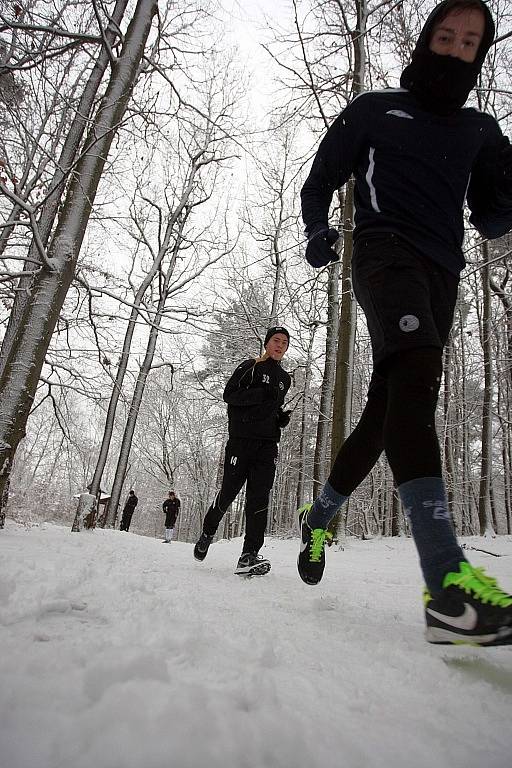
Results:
<point x="311" y="559"/>
<point x="471" y="608"/>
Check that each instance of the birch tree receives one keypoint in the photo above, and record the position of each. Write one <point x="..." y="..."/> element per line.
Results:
<point x="42" y="213"/>
<point x="49" y="287"/>
<point x="203" y="148"/>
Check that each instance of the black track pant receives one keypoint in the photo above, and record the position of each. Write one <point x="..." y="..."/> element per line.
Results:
<point x="254" y="462"/>
<point x="125" y="521"/>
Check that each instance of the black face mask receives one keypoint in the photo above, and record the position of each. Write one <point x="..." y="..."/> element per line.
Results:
<point x="441" y="83"/>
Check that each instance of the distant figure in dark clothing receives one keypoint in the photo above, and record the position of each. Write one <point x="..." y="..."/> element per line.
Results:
<point x="171" y="507"/>
<point x="128" y="510"/>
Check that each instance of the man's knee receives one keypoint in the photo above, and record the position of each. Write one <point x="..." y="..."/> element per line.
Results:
<point x="416" y="374"/>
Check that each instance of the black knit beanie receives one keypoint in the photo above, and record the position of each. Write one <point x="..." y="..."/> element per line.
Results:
<point x="272" y="332"/>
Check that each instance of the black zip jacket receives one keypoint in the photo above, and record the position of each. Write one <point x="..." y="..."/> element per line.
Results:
<point x="171" y="508"/>
<point x="131" y="503"/>
<point x="413" y="170"/>
<point x="255" y="395"/>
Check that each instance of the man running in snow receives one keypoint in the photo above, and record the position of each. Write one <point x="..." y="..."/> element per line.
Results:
<point x="416" y="154"/>
<point x="255" y="395"/>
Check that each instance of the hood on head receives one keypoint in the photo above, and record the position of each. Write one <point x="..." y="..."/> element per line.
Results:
<point x="443" y="83"/>
<point x="442" y="10"/>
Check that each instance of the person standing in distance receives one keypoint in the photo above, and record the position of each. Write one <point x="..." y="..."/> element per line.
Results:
<point x="255" y="396"/>
<point x="416" y="154"/>
<point x="128" y="510"/>
<point x="171" y="508"/>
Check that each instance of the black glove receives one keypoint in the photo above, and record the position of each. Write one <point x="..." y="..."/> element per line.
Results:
<point x="319" y="252"/>
<point x="283" y="418"/>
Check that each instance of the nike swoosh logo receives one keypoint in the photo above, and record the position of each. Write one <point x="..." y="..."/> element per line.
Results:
<point x="466" y="621"/>
<point x="303" y="545"/>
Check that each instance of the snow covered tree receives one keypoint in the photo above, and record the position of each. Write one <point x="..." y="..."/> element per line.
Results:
<point x="49" y="286"/>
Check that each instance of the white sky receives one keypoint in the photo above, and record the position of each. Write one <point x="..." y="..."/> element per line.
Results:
<point x="248" y="20"/>
<point x="121" y="652"/>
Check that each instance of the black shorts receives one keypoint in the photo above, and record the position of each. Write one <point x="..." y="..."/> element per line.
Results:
<point x="408" y="299"/>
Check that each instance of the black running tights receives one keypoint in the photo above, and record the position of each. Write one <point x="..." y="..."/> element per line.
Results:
<point x="399" y="418"/>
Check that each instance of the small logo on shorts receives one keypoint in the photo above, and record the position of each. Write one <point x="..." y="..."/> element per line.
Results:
<point x="409" y="323"/>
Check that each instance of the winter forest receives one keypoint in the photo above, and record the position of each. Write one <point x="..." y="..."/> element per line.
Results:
<point x="151" y="159"/>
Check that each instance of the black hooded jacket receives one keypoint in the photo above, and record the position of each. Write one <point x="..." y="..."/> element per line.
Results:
<point x="255" y="395"/>
<point x="131" y="503"/>
<point x="443" y="83"/>
<point x="414" y="169"/>
<point x="171" y="508"/>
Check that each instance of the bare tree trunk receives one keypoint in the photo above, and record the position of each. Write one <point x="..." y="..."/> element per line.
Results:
<point x="465" y="491"/>
<point x="327" y="393"/>
<point x="448" y="443"/>
<point x="276" y="254"/>
<point x="508" y="464"/>
<point x="140" y="386"/>
<point x="396" y="528"/>
<point x="68" y="156"/>
<point x="127" y="343"/>
<point x="198" y="159"/>
<point x="505" y="418"/>
<point x="345" y="359"/>
<point x="484" y="510"/>
<point x="86" y="506"/>
<point x="304" y="422"/>
<point x="3" y="501"/>
<point x="342" y="410"/>
<point x="33" y="332"/>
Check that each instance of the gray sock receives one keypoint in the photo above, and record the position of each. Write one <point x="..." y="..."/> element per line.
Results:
<point x="426" y="506"/>
<point x="325" y="506"/>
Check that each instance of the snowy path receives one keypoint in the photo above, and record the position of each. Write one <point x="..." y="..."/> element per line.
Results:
<point x="121" y="652"/>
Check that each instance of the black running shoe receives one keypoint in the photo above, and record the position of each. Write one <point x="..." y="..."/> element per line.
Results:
<point x="202" y="546"/>
<point x="252" y="564"/>
<point x="471" y="608"/>
<point x="311" y="559"/>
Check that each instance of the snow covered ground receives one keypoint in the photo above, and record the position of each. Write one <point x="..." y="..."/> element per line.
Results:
<point x="119" y="651"/>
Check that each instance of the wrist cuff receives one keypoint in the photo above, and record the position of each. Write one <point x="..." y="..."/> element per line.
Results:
<point x="316" y="230"/>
